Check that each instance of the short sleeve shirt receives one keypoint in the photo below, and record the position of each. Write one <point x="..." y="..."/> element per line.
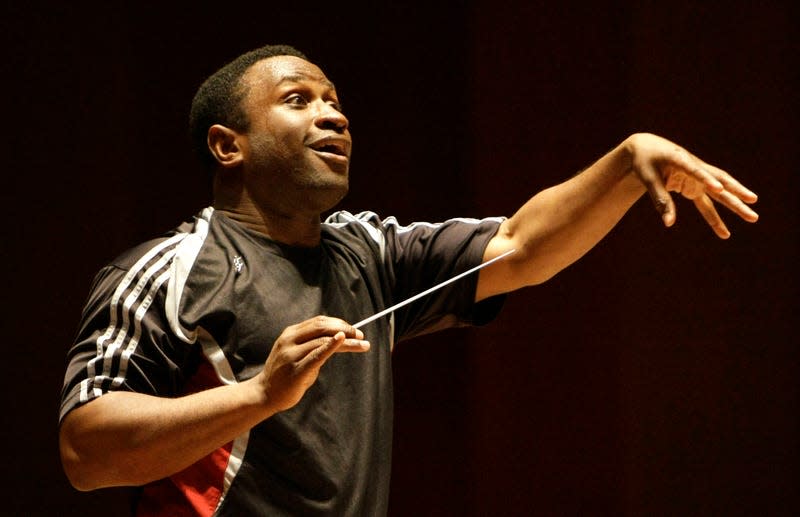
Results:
<point x="202" y="306"/>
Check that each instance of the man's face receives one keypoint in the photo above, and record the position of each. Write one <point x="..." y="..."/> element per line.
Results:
<point x="297" y="147"/>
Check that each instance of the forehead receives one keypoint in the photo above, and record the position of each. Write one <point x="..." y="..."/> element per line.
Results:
<point x="267" y="74"/>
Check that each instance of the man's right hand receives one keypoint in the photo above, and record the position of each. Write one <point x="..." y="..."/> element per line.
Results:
<point x="298" y="354"/>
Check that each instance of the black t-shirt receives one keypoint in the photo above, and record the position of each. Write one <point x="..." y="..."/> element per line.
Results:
<point x="202" y="306"/>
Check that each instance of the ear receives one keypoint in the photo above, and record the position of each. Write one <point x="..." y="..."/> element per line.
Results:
<point x="224" y="143"/>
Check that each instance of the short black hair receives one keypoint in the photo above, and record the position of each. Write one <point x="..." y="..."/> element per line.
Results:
<point x="219" y="99"/>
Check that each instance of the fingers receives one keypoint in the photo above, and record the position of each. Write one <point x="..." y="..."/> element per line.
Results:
<point x="663" y="166"/>
<point x="320" y="349"/>
<point x="724" y="189"/>
<point x="317" y="339"/>
<point x="718" y="183"/>
<point x="657" y="190"/>
<point x="686" y="162"/>
<point x="706" y="208"/>
<point x="736" y="205"/>
<point x="729" y="183"/>
<point x="300" y="352"/>
<point x="324" y="326"/>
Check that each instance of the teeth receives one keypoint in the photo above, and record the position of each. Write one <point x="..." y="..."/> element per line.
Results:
<point x="331" y="147"/>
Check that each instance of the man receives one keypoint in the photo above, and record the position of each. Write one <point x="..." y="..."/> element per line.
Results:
<point x="218" y="368"/>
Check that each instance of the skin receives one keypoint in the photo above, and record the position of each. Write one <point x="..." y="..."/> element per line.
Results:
<point x="277" y="177"/>
<point x="560" y="224"/>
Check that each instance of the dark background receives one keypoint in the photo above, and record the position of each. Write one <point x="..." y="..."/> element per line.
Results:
<point x="656" y="376"/>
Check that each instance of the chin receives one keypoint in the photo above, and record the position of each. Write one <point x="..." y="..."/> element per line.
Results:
<point x="327" y="196"/>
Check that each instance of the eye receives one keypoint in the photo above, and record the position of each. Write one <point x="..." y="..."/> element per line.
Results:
<point x="296" y="99"/>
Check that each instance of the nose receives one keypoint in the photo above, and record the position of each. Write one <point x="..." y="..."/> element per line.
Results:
<point x="331" y="118"/>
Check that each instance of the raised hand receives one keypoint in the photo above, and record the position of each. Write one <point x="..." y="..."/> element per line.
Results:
<point x="664" y="167"/>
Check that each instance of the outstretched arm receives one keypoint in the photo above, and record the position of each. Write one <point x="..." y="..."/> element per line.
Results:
<point x="126" y="438"/>
<point x="560" y="224"/>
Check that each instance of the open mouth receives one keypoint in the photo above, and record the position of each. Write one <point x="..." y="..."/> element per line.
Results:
<point x="331" y="149"/>
<point x="333" y="146"/>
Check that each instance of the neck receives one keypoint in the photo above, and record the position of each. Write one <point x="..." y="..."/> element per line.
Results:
<point x="291" y="230"/>
<point x="280" y="221"/>
<point x="294" y="229"/>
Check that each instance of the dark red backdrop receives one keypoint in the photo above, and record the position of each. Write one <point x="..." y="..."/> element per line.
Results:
<point x="657" y="376"/>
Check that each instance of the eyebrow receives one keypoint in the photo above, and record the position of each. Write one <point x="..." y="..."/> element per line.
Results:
<point x="299" y="78"/>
